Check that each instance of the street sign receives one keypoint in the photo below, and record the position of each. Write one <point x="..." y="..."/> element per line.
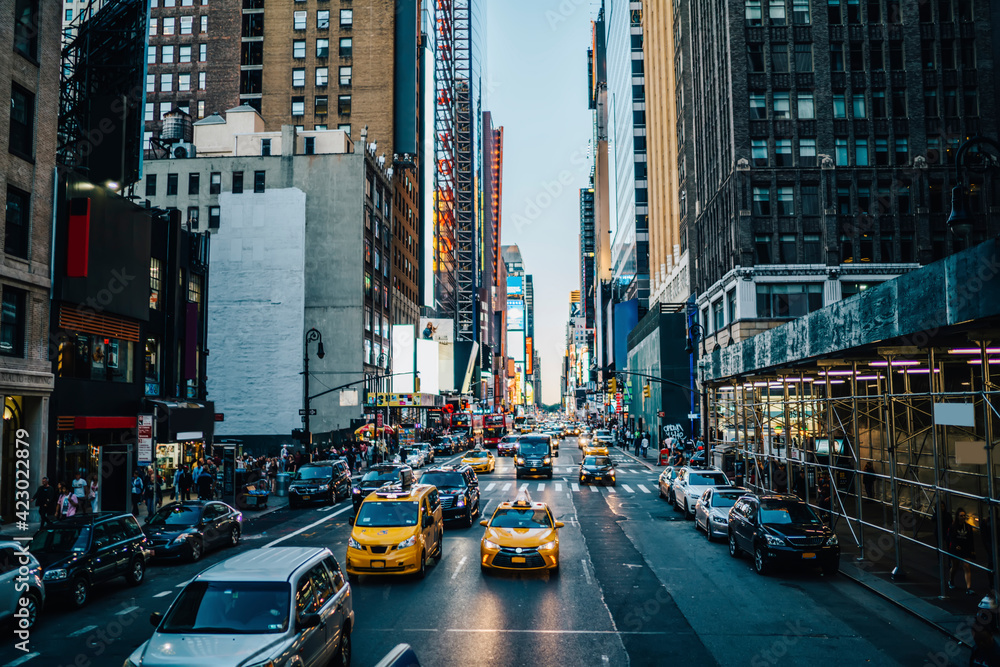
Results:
<point x="144" y="438"/>
<point x="312" y="412"/>
<point x="220" y="417"/>
<point x="694" y="415"/>
<point x="378" y="420"/>
<point x="661" y="414"/>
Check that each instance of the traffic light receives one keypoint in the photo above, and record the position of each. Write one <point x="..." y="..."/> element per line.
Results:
<point x="613" y="385"/>
<point x="645" y="391"/>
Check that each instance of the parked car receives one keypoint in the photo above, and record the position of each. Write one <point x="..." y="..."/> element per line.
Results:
<point x="277" y="606"/>
<point x="428" y="451"/>
<point x="22" y="597"/>
<point x="378" y="476"/>
<point x="86" y="550"/>
<point x="712" y="511"/>
<point x="781" y="528"/>
<point x="323" y="482"/>
<point x="458" y="487"/>
<point x="190" y="528"/>
<point x="691" y="483"/>
<point x="666" y="483"/>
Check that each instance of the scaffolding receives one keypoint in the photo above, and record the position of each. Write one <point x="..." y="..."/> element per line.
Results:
<point x="465" y="182"/>
<point x="444" y="127"/>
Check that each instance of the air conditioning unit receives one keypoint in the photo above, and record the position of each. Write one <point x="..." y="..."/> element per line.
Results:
<point x="183" y="150"/>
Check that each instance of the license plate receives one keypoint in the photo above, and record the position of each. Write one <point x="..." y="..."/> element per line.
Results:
<point x="598" y="479"/>
<point x="534" y="470"/>
<point x="305" y="497"/>
<point x="808" y="555"/>
<point x="378" y="563"/>
<point x="517" y="559"/>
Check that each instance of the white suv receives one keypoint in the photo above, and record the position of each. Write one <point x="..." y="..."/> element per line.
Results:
<point x="691" y="483"/>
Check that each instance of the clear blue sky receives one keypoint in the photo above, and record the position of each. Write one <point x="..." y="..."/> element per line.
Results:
<point x="536" y="83"/>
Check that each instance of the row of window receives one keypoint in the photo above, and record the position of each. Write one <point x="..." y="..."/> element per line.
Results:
<point x="850" y="11"/>
<point x="375" y="260"/>
<point x="152" y="114"/>
<point x="869" y="200"/>
<point x="322" y="76"/>
<point x="184" y="82"/>
<point x="805" y="104"/>
<point x="780" y="153"/>
<point x="377" y="325"/>
<point x="184" y="52"/>
<point x="373" y="289"/>
<point x="300" y="18"/>
<point x="171" y="3"/>
<point x="321" y="105"/>
<point x="169" y="25"/>
<point x="214" y="183"/>
<point x="786" y="249"/>
<point x="373" y="351"/>
<point x="948" y="54"/>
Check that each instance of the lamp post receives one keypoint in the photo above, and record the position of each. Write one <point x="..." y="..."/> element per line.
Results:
<point x="380" y="363"/>
<point x="311" y="335"/>
<point x="695" y="335"/>
<point x="960" y="222"/>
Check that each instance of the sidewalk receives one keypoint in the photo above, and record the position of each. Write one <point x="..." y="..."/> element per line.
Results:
<point x="649" y="463"/>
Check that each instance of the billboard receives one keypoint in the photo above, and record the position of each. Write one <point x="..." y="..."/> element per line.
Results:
<point x="428" y="365"/>
<point x="515" y="345"/>
<point x="515" y="286"/>
<point x="441" y="330"/>
<point x="515" y="314"/>
<point x="528" y="355"/>
<point x="403" y="358"/>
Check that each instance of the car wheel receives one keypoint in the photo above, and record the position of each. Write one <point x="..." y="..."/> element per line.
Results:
<point x="662" y="495"/>
<point x="554" y="572"/>
<point x="422" y="572"/>
<point x="194" y="550"/>
<point x="831" y="567"/>
<point x="677" y="508"/>
<point x="734" y="549"/>
<point x="468" y="517"/>
<point x="760" y="564"/>
<point x="342" y="658"/>
<point x="708" y="531"/>
<point x="688" y="513"/>
<point x="79" y="592"/>
<point x="31" y="608"/>
<point x="234" y="536"/>
<point x="550" y="474"/>
<point x="136" y="572"/>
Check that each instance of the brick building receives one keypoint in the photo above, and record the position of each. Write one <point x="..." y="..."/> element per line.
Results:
<point x="30" y="72"/>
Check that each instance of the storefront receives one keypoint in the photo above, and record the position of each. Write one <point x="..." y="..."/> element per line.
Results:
<point x="183" y="433"/>
<point x="20" y="413"/>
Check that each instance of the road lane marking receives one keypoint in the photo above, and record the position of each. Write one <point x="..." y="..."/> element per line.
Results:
<point x="491" y="486"/>
<point x="593" y="489"/>
<point x="506" y="486"/>
<point x="23" y="659"/>
<point x="82" y="631"/>
<point x="184" y="583"/>
<point x="558" y="486"/>
<point x="541" y="486"/>
<point x="627" y="488"/>
<point x="304" y="529"/>
<point x="586" y="571"/>
<point x="643" y="488"/>
<point x="163" y="594"/>
<point x="458" y="569"/>
<point x="611" y="489"/>
<point x="550" y="632"/>
<point x="126" y="610"/>
<point x="576" y="487"/>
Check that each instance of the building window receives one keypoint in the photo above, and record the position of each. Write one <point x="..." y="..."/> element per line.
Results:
<point x="265" y="147"/>
<point x="782" y="106"/>
<point x="368" y="319"/>
<point x="204" y="25"/>
<point x="861" y="152"/>
<point x="776" y="12"/>
<point x="786" y="248"/>
<point x="258" y="182"/>
<point x="26" y="28"/>
<point x="906" y="253"/>
<point x="876" y="56"/>
<point x="811" y="250"/>
<point x="194" y="183"/>
<point x="309" y="144"/>
<point x="345" y="76"/>
<point x="152" y="27"/>
<point x="298" y="78"/>
<point x="840" y="151"/>
<point x="754" y="16"/>
<point x="930" y="102"/>
<point x="298" y="106"/>
<point x="755" y="57"/>
<point x="187" y="25"/>
<point x="169" y="25"/>
<point x="810" y="200"/>
<point x="346" y="47"/>
<point x="12" y="322"/>
<point x="152" y="366"/>
<point x="237" y="182"/>
<point x="786" y="199"/>
<point x="215" y="183"/>
<point x="346" y="127"/>
<point x="807" y="152"/>
<point x="881" y="151"/>
<point x="165" y="108"/>
<point x="758" y="106"/>
<point x="783" y="152"/>
<point x="299" y="48"/>
<point x="779" y="57"/>
<point x="836" y="57"/>
<point x="346" y="18"/>
<point x="846" y="249"/>
<point x="193" y="214"/>
<point x="202" y="80"/>
<point x="762" y="249"/>
<point x="322" y="76"/>
<point x="150" y="54"/>
<point x="323" y="19"/>
<point x="878" y="104"/>
<point x="171" y="184"/>
<point x="184" y="54"/>
<point x="202" y="52"/>
<point x="184" y="81"/>
<point x="902" y="151"/>
<point x="788" y="299"/>
<point x="344" y="105"/>
<point x="970" y="97"/>
<point x="17" y="223"/>
<point x="803" y="58"/>
<point x="731" y="305"/>
<point x="718" y="315"/>
<point x="843" y="199"/>
<point x="166" y="83"/>
<point x="833" y="11"/>
<point x="806" y="106"/>
<point x="155" y="282"/>
<point x="758" y="151"/>
<point x="322" y="48"/>
<point x="761" y="200"/>
<point x="839" y="106"/>
<point x="859" y="109"/>
<point x="322" y="106"/>
<point x="22" y="122"/>
<point x="151" y="185"/>
<point x="299" y="20"/>
<point x="214" y="216"/>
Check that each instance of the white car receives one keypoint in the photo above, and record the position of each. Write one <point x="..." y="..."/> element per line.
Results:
<point x="14" y="589"/>
<point x="427" y="449"/>
<point x="605" y="438"/>
<point x="410" y="456"/>
<point x="712" y="511"/>
<point x="691" y="483"/>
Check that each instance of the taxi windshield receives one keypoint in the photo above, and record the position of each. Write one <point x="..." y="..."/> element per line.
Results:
<point x="387" y="514"/>
<point x="520" y="518"/>
<point x="481" y="454"/>
<point x="597" y="461"/>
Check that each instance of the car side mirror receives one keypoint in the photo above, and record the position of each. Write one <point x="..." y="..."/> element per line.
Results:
<point x="484" y="522"/>
<point x="559" y="524"/>
<point x="428" y="520"/>
<point x="155" y="618"/>
<point x="309" y="621"/>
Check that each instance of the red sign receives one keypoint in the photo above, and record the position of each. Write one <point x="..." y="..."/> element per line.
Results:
<point x="220" y="417"/>
<point x="529" y="355"/>
<point x="618" y="402"/>
<point x="378" y="420"/>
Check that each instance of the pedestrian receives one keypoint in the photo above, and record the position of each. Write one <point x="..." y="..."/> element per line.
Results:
<point x="93" y="493"/>
<point x="157" y="491"/>
<point x="137" y="490"/>
<point x="800" y="484"/>
<point x="962" y="546"/>
<point x="869" y="479"/>
<point x="205" y="483"/>
<point x="186" y="481"/>
<point x="67" y="502"/>
<point x="148" y="493"/>
<point x="45" y="500"/>
<point x="80" y="491"/>
<point x="645" y="445"/>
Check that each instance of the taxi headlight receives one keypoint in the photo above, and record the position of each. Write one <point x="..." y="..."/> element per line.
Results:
<point x="353" y="543"/>
<point x="407" y="542"/>
<point x="548" y="546"/>
<point x="832" y="541"/>
<point x="491" y="545"/>
<point x="547" y="460"/>
<point x="54" y="575"/>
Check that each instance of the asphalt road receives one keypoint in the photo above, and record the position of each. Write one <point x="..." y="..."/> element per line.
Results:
<point x="638" y="586"/>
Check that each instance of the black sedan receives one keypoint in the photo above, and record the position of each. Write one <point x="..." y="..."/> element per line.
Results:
<point x="190" y="528"/>
<point x="597" y="470"/>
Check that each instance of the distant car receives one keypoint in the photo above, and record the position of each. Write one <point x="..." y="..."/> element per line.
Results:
<point x="712" y="511"/>
<point x="583" y="440"/>
<point x="20" y="580"/>
<point x="597" y="470"/>
<point x="189" y="529"/>
<point x="428" y="451"/>
<point x="322" y="482"/>
<point x="508" y="445"/>
<point x="276" y="606"/>
<point x="604" y="437"/>
<point x="442" y="446"/>
<point x="378" y="476"/>
<point x="691" y="483"/>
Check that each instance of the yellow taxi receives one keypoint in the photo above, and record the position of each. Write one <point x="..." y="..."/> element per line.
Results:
<point x="396" y="530"/>
<point x="595" y="450"/>
<point x="521" y="535"/>
<point x="481" y="460"/>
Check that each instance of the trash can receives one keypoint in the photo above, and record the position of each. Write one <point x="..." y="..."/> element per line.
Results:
<point x="281" y="484"/>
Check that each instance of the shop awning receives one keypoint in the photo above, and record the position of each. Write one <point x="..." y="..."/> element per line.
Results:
<point x="183" y="420"/>
<point x="93" y="423"/>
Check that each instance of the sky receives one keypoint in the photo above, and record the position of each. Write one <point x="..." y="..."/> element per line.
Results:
<point x="536" y="87"/>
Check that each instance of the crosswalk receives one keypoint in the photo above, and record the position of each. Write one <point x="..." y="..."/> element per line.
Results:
<point x="539" y="487"/>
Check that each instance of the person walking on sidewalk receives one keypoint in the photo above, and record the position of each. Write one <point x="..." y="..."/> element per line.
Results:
<point x="93" y="493"/>
<point x="138" y="488"/>
<point x="45" y="500"/>
<point x="80" y="491"/>
<point x="66" y="505"/>
<point x="205" y="483"/>
<point x="645" y="445"/>
<point x="961" y="544"/>
<point x="869" y="478"/>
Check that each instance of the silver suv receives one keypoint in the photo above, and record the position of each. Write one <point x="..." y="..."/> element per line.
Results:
<point x="280" y="606"/>
<point x="691" y="483"/>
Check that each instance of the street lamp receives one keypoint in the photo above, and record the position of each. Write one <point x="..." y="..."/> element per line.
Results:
<point x="311" y="335"/>
<point x="695" y="335"/>
<point x="960" y="222"/>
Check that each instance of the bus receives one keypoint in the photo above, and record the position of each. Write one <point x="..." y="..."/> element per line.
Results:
<point x="495" y="427"/>
<point x="470" y="426"/>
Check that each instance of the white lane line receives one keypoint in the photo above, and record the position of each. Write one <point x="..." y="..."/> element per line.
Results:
<point x="328" y="508"/>
<point x="126" y="610"/>
<point x="643" y="488"/>
<point x="305" y="528"/>
<point x="506" y="486"/>
<point x="612" y="489"/>
<point x="558" y="486"/>
<point x="491" y="486"/>
<point x="550" y="632"/>
<point x="638" y="472"/>
<point x="163" y="594"/>
<point x="459" y="568"/>
<point x="23" y="659"/>
<point x="541" y="486"/>
<point x="586" y="571"/>
<point x="184" y="583"/>
<point x="593" y="489"/>
<point x="82" y="631"/>
<point x="576" y="487"/>
<point x="627" y="488"/>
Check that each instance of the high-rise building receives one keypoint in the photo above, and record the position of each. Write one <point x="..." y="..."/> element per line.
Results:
<point x="587" y="245"/>
<point x="821" y="162"/>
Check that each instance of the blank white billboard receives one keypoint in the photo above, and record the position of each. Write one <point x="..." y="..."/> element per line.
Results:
<point x="403" y="358"/>
<point x="515" y="345"/>
<point x="427" y="365"/>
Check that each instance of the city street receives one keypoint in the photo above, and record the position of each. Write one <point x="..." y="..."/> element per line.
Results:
<point x="638" y="586"/>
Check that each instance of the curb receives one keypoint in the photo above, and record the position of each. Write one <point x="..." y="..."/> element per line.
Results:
<point x="636" y="459"/>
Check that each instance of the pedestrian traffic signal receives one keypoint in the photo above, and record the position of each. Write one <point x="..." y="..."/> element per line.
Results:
<point x="645" y="391"/>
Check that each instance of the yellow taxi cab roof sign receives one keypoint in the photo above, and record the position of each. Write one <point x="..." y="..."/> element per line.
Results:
<point x="523" y="498"/>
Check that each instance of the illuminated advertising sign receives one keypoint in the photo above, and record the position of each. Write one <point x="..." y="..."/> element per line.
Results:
<point x="528" y="356"/>
<point x="515" y="286"/>
<point x="515" y="314"/>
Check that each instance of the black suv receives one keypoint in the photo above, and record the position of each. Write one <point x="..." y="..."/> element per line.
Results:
<point x="86" y="550"/>
<point x="781" y="528"/>
<point x="458" y="487"/>
<point x="378" y="476"/>
<point x="534" y="456"/>
<point x="325" y="481"/>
